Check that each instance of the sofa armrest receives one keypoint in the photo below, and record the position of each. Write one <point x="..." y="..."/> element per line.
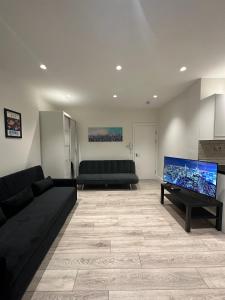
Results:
<point x="64" y="182"/>
<point x="2" y="265"/>
<point x="2" y="273"/>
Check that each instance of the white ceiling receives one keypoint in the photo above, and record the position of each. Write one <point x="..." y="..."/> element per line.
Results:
<point x="82" y="41"/>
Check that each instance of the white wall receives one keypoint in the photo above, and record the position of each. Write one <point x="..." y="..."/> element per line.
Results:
<point x="179" y="126"/>
<point x="17" y="154"/>
<point x="107" y="118"/>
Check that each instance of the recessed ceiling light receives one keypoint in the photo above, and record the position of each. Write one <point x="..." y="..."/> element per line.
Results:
<point x="68" y="96"/>
<point x="119" y="68"/>
<point x="43" y="67"/>
<point x="115" y="96"/>
<point x="155" y="96"/>
<point x="183" y="69"/>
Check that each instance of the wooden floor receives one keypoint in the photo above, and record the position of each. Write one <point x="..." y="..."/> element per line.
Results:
<point x="123" y="245"/>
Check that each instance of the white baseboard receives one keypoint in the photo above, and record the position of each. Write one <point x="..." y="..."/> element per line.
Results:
<point x="159" y="178"/>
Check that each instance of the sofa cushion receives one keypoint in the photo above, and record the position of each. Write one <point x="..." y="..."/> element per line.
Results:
<point x="106" y="166"/>
<point x="29" y="228"/>
<point x="15" y="183"/>
<point x="119" y="178"/>
<point x="14" y="204"/>
<point x="39" y="187"/>
<point x="2" y="217"/>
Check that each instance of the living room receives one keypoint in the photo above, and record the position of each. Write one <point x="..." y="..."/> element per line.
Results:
<point x="126" y="85"/>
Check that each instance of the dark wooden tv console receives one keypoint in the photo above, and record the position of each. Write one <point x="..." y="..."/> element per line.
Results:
<point x="194" y="205"/>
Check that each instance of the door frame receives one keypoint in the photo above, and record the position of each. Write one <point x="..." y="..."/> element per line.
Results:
<point x="156" y="125"/>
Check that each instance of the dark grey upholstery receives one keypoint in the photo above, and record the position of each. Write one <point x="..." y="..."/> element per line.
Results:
<point x="26" y="237"/>
<point x="106" y="166"/>
<point x="16" y="182"/>
<point x="99" y="172"/>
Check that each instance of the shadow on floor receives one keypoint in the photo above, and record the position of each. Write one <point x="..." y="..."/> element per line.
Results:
<point x="178" y="213"/>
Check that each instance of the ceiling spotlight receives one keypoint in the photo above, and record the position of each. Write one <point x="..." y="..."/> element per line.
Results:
<point x="148" y="102"/>
<point x="119" y="68"/>
<point x="183" y="69"/>
<point x="115" y="96"/>
<point x="155" y="96"/>
<point x="43" y="67"/>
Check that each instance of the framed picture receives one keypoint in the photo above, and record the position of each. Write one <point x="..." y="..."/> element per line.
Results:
<point x="13" y="124"/>
<point x="105" y="134"/>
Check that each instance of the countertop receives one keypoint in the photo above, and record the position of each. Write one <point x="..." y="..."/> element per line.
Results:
<point x="221" y="169"/>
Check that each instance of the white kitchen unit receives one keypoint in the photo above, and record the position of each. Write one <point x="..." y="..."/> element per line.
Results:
<point x="59" y="144"/>
<point x="221" y="196"/>
<point x="212" y="118"/>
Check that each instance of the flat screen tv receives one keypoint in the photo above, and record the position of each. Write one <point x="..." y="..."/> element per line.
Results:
<point x="193" y="175"/>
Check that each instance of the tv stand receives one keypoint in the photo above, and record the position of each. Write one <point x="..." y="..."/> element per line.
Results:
<point x="194" y="205"/>
<point x="175" y="189"/>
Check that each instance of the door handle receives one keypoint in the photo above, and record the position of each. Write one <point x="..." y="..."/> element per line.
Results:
<point x="136" y="154"/>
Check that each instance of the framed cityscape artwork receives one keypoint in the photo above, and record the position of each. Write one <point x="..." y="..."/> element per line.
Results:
<point x="105" y="134"/>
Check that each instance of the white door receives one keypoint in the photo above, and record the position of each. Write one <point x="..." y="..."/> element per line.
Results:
<point x="145" y="150"/>
<point x="67" y="170"/>
<point x="74" y="146"/>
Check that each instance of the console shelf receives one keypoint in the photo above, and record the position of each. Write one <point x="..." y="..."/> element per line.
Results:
<point x="193" y="204"/>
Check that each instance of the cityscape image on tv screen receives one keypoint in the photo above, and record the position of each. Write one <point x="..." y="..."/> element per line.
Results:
<point x="193" y="175"/>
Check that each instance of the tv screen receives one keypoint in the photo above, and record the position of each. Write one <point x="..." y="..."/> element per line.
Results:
<point x="194" y="175"/>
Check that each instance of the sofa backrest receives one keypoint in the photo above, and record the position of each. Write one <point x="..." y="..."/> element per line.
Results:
<point x="16" y="182"/>
<point x="106" y="166"/>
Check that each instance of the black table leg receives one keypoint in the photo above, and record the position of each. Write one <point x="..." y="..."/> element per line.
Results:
<point x="188" y="219"/>
<point x="162" y="194"/>
<point x="219" y="210"/>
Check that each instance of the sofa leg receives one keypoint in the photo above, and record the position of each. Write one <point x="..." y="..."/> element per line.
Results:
<point x="130" y="186"/>
<point x="82" y="187"/>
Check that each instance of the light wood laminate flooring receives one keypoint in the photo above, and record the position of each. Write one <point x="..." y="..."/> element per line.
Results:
<point x="124" y="245"/>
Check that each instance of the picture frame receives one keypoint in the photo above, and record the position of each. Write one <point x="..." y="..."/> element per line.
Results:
<point x="13" y="124"/>
<point x="105" y="134"/>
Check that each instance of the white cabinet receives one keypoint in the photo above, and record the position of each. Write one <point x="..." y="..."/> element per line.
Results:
<point x="212" y="118"/>
<point x="220" y="116"/>
<point x="57" y="151"/>
<point x="207" y="118"/>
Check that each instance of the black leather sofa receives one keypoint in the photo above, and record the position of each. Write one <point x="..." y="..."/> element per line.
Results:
<point x="26" y="237"/>
<point x="104" y="172"/>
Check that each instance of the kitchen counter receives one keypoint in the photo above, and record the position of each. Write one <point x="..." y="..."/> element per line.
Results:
<point x="221" y="169"/>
